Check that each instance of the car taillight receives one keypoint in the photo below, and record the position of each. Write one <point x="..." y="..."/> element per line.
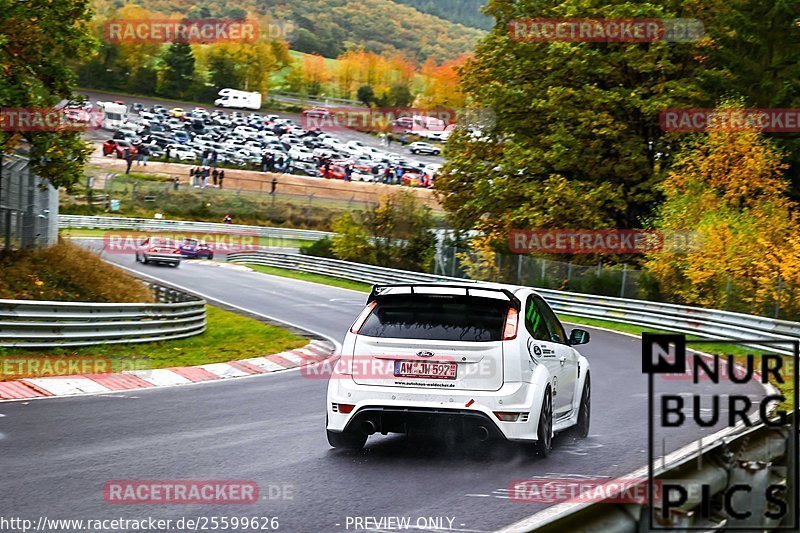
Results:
<point x="153" y="250"/>
<point x="177" y="251"/>
<point x="356" y="327"/>
<point x="510" y="329"/>
<point x="345" y="408"/>
<point x="506" y="417"/>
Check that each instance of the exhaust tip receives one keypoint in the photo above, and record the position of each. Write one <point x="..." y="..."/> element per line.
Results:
<point x="482" y="433"/>
<point x="368" y="427"/>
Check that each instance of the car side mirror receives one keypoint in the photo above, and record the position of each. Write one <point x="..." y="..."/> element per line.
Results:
<point x="578" y="336"/>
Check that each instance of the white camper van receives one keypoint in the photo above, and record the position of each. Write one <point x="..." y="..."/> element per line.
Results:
<point x="114" y="115"/>
<point x="238" y="99"/>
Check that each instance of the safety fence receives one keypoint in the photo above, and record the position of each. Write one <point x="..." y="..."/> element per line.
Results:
<point x="705" y="323"/>
<point x="28" y="206"/>
<point x="160" y="225"/>
<point x="42" y="324"/>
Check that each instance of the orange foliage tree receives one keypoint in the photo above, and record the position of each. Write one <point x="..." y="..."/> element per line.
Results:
<point x="727" y="191"/>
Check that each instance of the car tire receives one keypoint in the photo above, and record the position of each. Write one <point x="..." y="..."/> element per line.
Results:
<point x="585" y="410"/>
<point x="145" y="260"/>
<point x="544" y="432"/>
<point x="414" y="152"/>
<point x="347" y="440"/>
<point x="437" y="152"/>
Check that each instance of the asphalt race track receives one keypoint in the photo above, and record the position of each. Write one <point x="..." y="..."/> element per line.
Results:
<point x="58" y="454"/>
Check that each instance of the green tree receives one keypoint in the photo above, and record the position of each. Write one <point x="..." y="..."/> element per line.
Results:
<point x="394" y="233"/>
<point x="38" y="39"/>
<point x="400" y="95"/>
<point x="576" y="124"/>
<point x="222" y="69"/>
<point x="177" y="71"/>
<point x="366" y="95"/>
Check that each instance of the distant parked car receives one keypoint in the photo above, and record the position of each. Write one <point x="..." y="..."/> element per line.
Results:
<point x="181" y="152"/>
<point x="424" y="148"/>
<point x="157" y="250"/>
<point x="118" y="147"/>
<point x="176" y="112"/>
<point x="137" y="107"/>
<point x="194" y="249"/>
<point x="304" y="168"/>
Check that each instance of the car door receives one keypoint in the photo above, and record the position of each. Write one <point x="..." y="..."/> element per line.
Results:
<point x="566" y="357"/>
<point x="541" y="348"/>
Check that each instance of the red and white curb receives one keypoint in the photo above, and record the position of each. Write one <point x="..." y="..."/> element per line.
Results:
<point x="30" y="388"/>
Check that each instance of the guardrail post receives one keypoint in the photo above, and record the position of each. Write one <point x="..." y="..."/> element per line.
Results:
<point x="624" y="279"/>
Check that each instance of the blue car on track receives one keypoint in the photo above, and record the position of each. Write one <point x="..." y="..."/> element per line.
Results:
<point x="194" y="249"/>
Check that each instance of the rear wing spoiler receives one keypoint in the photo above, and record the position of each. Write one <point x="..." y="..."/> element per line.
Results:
<point x="381" y="290"/>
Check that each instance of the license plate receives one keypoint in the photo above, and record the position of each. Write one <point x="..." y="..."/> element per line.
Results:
<point x="425" y="369"/>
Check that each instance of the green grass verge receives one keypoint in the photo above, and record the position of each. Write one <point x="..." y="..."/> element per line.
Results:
<point x="229" y="336"/>
<point x="315" y="278"/>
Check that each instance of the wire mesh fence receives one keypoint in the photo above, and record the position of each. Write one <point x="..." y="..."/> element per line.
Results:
<point x="776" y="299"/>
<point x="28" y="206"/>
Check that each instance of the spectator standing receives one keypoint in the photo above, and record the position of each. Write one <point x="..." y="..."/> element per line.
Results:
<point x="327" y="168"/>
<point x="128" y="159"/>
<point x="204" y="162"/>
<point x="348" y="171"/>
<point x="264" y="162"/>
<point x="287" y="165"/>
<point x="389" y="139"/>
<point x="214" y="177"/>
<point x="387" y="174"/>
<point x="398" y="175"/>
<point x="214" y="157"/>
<point x="176" y="183"/>
<point x="167" y="153"/>
<point x="221" y="177"/>
<point x="403" y="140"/>
<point x="227" y="219"/>
<point x="144" y="152"/>
<point x="139" y="154"/>
<point x="274" y="186"/>
<point x="382" y="138"/>
<point x="271" y="162"/>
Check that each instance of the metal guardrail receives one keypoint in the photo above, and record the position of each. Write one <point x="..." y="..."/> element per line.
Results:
<point x="150" y="224"/>
<point x="40" y="324"/>
<point x="705" y="323"/>
<point x="755" y="458"/>
<point x="760" y="458"/>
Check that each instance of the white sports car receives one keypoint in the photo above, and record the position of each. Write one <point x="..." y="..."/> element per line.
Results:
<point x="486" y="361"/>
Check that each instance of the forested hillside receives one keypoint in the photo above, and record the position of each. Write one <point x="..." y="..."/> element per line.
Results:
<point x="331" y="27"/>
<point x="466" y="12"/>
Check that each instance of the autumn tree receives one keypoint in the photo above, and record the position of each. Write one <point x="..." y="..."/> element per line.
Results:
<point x="727" y="193"/>
<point x="577" y="123"/>
<point x="394" y="233"/>
<point x="37" y="41"/>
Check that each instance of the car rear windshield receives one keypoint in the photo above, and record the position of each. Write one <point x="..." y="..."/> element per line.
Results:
<point x="437" y="317"/>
